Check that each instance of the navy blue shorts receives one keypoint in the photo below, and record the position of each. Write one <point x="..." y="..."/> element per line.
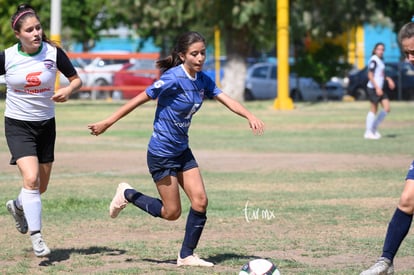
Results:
<point x="410" y="174"/>
<point x="374" y="98"/>
<point x="31" y="138"/>
<point x="161" y="167"/>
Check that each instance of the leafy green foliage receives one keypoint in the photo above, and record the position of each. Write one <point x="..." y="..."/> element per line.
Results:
<point x="248" y="27"/>
<point x="400" y="11"/>
<point x="322" y="64"/>
<point x="245" y="25"/>
<point x="81" y="20"/>
<point x="7" y="9"/>
<point x="84" y="20"/>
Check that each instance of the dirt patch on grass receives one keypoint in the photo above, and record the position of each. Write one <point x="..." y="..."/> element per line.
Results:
<point x="135" y="161"/>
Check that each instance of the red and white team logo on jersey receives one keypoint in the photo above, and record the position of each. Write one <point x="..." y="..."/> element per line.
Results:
<point x="33" y="80"/>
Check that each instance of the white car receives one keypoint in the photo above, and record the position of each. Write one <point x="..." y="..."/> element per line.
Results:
<point x="100" y="73"/>
<point x="261" y="83"/>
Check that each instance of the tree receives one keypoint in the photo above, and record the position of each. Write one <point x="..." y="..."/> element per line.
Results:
<point x="321" y="21"/>
<point x="7" y="9"/>
<point x="248" y="27"/>
<point x="322" y="64"/>
<point x="245" y="25"/>
<point x="82" y="20"/>
<point x="85" y="19"/>
<point x="400" y="11"/>
<point x="161" y="21"/>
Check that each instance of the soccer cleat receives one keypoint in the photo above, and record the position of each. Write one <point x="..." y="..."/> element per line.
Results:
<point x="119" y="201"/>
<point x="377" y="134"/>
<point x="383" y="266"/>
<point x="193" y="260"/>
<point x="18" y="215"/>
<point x="370" y="135"/>
<point x="39" y="247"/>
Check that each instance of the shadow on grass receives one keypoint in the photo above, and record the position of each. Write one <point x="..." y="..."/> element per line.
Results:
<point x="59" y="255"/>
<point x="216" y="259"/>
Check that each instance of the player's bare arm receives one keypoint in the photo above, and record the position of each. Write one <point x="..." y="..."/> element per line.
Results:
<point x="63" y="94"/>
<point x="255" y="124"/>
<point x="101" y="126"/>
<point x="391" y="83"/>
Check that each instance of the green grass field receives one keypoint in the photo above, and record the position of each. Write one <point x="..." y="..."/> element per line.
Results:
<point x="310" y="194"/>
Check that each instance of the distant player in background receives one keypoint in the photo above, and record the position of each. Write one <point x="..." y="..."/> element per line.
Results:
<point x="30" y="68"/>
<point x="376" y="93"/>
<point x="400" y="222"/>
<point x="180" y="92"/>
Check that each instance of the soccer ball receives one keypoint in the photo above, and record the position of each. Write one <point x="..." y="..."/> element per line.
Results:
<point x="259" y="267"/>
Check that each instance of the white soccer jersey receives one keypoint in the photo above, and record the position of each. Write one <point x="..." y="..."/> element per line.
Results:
<point x="30" y="83"/>
<point x="377" y="66"/>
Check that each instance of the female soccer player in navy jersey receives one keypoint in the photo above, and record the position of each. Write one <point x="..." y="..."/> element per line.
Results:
<point x="180" y="93"/>
<point x="400" y="222"/>
<point x="30" y="68"/>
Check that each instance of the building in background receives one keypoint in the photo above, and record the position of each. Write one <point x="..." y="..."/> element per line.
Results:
<point x="120" y="39"/>
<point x="361" y="41"/>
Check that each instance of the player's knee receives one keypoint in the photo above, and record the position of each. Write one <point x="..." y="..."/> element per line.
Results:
<point x="42" y="189"/>
<point x="171" y="214"/>
<point x="200" y="204"/>
<point x="31" y="182"/>
<point x="406" y="203"/>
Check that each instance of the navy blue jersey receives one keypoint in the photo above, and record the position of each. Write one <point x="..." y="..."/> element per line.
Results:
<point x="179" y="97"/>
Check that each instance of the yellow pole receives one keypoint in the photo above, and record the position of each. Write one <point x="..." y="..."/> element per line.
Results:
<point x="283" y="101"/>
<point x="360" y="46"/>
<point x="217" y="55"/>
<point x="352" y="46"/>
<point x="55" y="28"/>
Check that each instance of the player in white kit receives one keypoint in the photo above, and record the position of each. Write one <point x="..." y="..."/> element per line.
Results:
<point x="376" y="93"/>
<point x="30" y="68"/>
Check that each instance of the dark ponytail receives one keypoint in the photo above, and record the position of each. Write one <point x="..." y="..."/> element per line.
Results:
<point x="181" y="47"/>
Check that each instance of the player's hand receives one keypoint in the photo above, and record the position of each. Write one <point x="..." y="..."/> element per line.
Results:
<point x="256" y="125"/>
<point x="379" y="92"/>
<point x="61" y="95"/>
<point x="391" y="84"/>
<point x="98" y="127"/>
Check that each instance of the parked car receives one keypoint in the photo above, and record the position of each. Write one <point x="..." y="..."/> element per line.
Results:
<point x="133" y="78"/>
<point x="261" y="83"/>
<point x="209" y="67"/>
<point x="334" y="90"/>
<point x="100" y="72"/>
<point x="402" y="73"/>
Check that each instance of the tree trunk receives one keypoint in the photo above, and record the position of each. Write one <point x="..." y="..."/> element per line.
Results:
<point x="234" y="77"/>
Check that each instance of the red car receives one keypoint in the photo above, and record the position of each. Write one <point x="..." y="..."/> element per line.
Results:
<point x="133" y="78"/>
